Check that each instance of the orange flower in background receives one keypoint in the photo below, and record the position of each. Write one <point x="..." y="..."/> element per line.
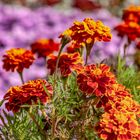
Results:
<point x="17" y="59"/>
<point x="95" y="79"/>
<point x="28" y="93"/>
<point x="131" y="25"/>
<point x="118" y="125"/>
<point x="67" y="63"/>
<point x="87" y="32"/>
<point x="44" y="47"/>
<point x="129" y="29"/>
<point x="132" y="13"/>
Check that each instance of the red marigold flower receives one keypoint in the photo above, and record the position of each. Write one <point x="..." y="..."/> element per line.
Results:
<point x="132" y="13"/>
<point x="118" y="126"/>
<point x="44" y="47"/>
<point x="129" y="29"/>
<point x="86" y="5"/>
<point x="28" y="93"/>
<point x="51" y="2"/>
<point x="138" y="45"/>
<point x="95" y="79"/>
<point x="17" y="59"/>
<point x="67" y="63"/>
<point x="88" y="31"/>
<point x="73" y="48"/>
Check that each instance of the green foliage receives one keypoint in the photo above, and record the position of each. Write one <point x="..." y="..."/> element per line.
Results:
<point x="129" y="77"/>
<point x="20" y="126"/>
<point x="68" y="115"/>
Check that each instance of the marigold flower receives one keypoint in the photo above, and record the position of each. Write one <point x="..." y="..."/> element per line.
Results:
<point x="132" y="13"/>
<point x="138" y="45"/>
<point x="17" y="59"/>
<point x="73" y="48"/>
<point x="95" y="79"/>
<point x="88" y="31"/>
<point x="51" y="2"/>
<point x="116" y="91"/>
<point x="44" y="47"/>
<point x="28" y="93"/>
<point x="129" y="29"/>
<point x="67" y="63"/>
<point x="118" y="126"/>
<point x="86" y="5"/>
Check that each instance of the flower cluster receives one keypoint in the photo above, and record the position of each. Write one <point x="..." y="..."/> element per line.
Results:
<point x="17" y="59"/>
<point x="119" y="122"/>
<point x="28" y="93"/>
<point x="67" y="63"/>
<point x="44" y="47"/>
<point x="95" y="79"/>
<point x="88" y="31"/>
<point x="118" y="126"/>
<point x="98" y="85"/>
<point x="130" y="26"/>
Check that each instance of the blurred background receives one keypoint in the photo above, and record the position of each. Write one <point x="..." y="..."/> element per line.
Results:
<point x="24" y="21"/>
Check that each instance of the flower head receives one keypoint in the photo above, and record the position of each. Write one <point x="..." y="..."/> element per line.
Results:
<point x="118" y="125"/>
<point x="95" y="79"/>
<point x="67" y="63"/>
<point x="129" y="29"/>
<point x="73" y="48"/>
<point x="28" y="93"/>
<point x="88" y="31"/>
<point x="44" y="47"/>
<point x="132" y="13"/>
<point x="17" y="59"/>
<point x="116" y="93"/>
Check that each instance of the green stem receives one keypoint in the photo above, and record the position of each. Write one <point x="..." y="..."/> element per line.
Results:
<point x="58" y="58"/>
<point x="125" y="48"/>
<point x="88" y="50"/>
<point x="53" y="123"/>
<point x="21" y="77"/>
<point x="86" y="60"/>
<point x="39" y="127"/>
<point x="57" y="62"/>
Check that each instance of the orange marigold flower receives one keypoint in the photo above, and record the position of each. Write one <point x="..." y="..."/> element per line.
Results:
<point x="67" y="63"/>
<point x="129" y="29"/>
<point x="88" y="31"/>
<point x="17" y="59"/>
<point x="28" y="93"/>
<point x="132" y="13"/>
<point x="116" y="91"/>
<point x="122" y="104"/>
<point x="95" y="79"/>
<point x="44" y="47"/>
<point x="118" y="126"/>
